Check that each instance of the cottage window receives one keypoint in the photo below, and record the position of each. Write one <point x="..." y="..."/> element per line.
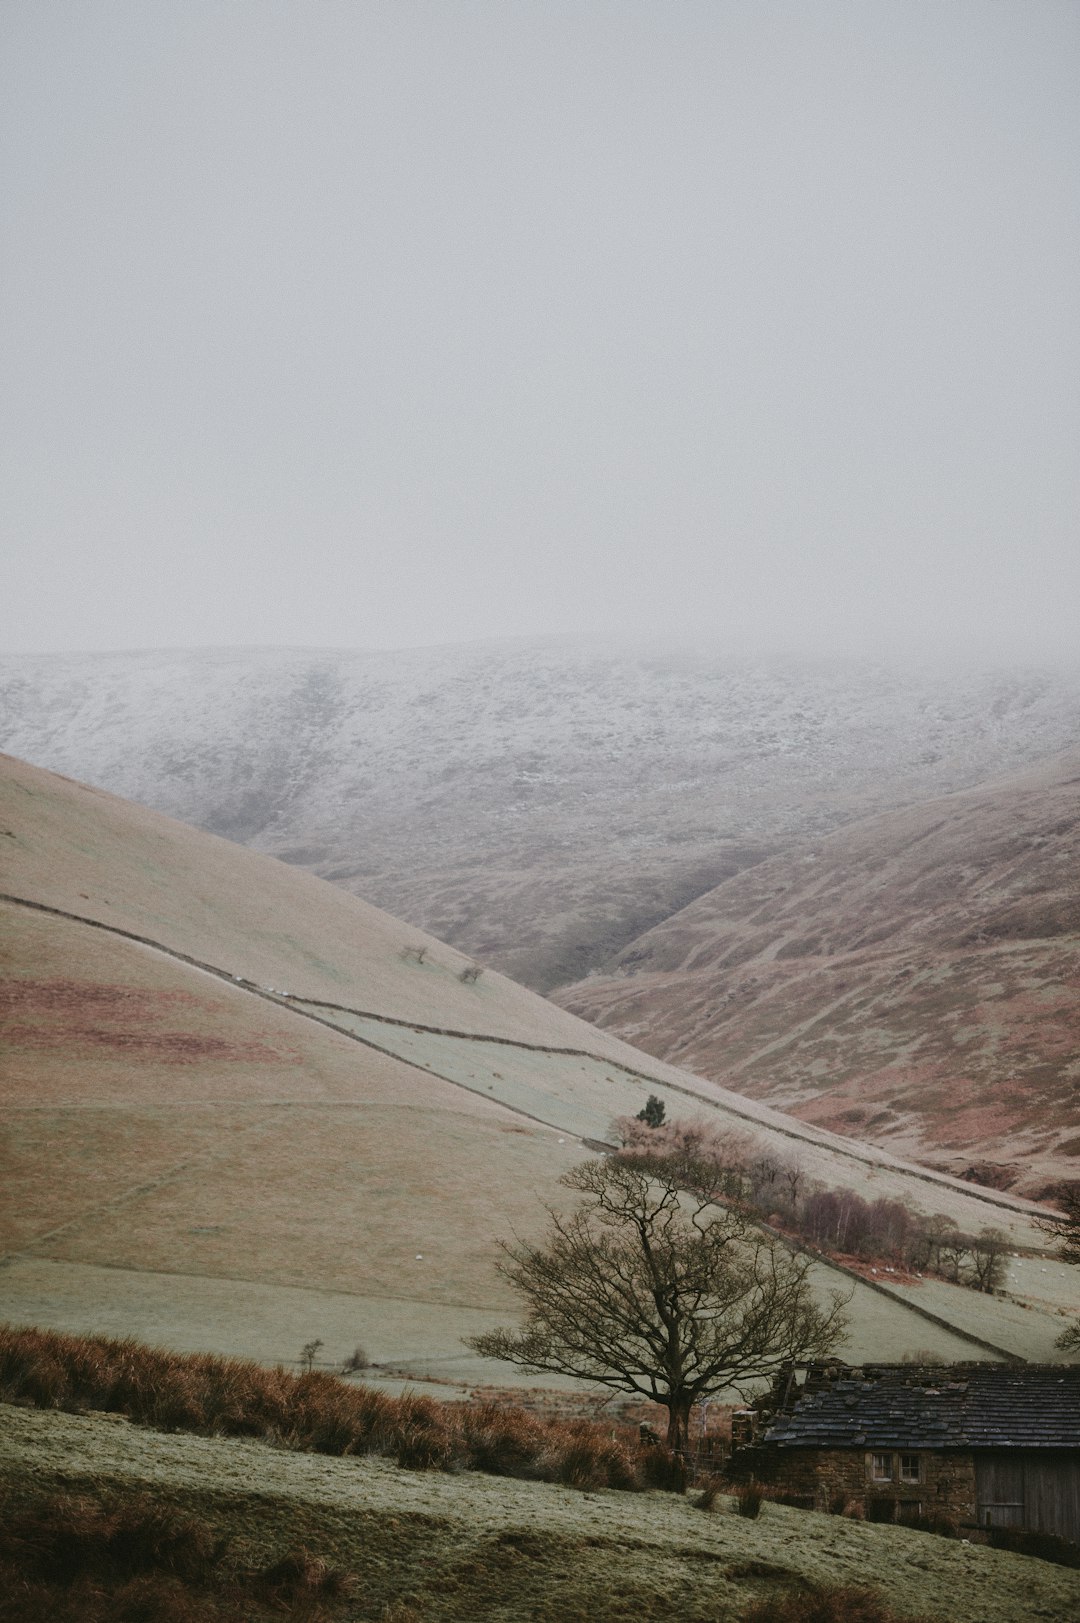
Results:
<point x="881" y="1469"/>
<point x="909" y="1468"/>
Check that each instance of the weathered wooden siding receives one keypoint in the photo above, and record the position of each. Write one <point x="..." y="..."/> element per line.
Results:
<point x="1035" y="1488"/>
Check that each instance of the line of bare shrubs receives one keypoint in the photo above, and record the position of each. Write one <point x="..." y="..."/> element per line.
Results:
<point x="72" y="1556"/>
<point x="739" y="1170"/>
<point x="319" y="1413"/>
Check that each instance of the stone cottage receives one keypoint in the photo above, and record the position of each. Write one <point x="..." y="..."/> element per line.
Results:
<point x="985" y="1445"/>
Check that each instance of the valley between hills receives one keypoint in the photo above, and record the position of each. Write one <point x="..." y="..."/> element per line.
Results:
<point x="243" y="1110"/>
<point x="914" y="979"/>
<point x="246" y="1113"/>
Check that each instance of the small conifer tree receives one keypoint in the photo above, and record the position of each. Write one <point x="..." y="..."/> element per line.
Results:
<point x="654" y="1112"/>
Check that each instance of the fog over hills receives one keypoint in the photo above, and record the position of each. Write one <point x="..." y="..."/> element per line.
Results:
<point x="539" y="803"/>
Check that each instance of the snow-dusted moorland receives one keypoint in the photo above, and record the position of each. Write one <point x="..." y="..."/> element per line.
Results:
<point x="538" y="803"/>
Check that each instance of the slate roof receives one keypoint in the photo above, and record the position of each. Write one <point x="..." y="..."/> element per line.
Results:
<point x="953" y="1406"/>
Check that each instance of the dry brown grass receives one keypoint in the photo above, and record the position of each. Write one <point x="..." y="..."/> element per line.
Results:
<point x="843" y="1604"/>
<point x="319" y="1413"/>
<point x="96" y="1558"/>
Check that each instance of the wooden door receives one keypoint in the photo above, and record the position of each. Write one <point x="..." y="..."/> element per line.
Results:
<point x="999" y="1490"/>
<point x="1034" y="1488"/>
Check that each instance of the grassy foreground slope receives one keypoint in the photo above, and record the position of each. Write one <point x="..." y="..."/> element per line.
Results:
<point x="240" y="1113"/>
<point x="472" y="1547"/>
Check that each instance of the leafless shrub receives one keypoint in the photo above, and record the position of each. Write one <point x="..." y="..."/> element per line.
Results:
<point x="65" y="1537"/>
<point x="737" y="1169"/>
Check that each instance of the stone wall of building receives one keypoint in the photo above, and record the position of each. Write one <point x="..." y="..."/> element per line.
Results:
<point x="835" y="1479"/>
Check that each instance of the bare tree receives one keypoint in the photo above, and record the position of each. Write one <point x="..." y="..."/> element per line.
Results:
<point x="1069" y="1339"/>
<point x="1064" y="1224"/>
<point x="933" y="1239"/>
<point x="793" y="1175"/>
<point x="989" y="1251"/>
<point x="651" y="1289"/>
<point x="693" y="1154"/>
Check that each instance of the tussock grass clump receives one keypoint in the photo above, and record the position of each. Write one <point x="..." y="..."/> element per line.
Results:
<point x="319" y="1413"/>
<point x="588" y="1456"/>
<point x="140" y="1560"/>
<point x="66" y="1537"/>
<point x="300" y="1574"/>
<point x="844" y="1604"/>
<point x="749" y="1499"/>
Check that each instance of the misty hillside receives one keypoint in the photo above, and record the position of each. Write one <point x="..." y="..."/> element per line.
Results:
<point x="538" y="804"/>
<point x="914" y="980"/>
<point x="241" y="1110"/>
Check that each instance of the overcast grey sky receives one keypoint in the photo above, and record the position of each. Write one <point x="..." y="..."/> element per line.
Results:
<point x="377" y="322"/>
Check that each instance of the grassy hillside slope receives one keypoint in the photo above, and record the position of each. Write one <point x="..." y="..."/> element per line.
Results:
<point x="238" y="1115"/>
<point x="471" y="1547"/>
<point x="914" y="981"/>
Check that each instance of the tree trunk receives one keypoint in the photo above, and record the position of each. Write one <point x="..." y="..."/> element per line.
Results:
<point x="678" y="1433"/>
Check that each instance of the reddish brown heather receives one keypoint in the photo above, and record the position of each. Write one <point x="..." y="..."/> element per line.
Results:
<point x="910" y="981"/>
<point x="318" y="1412"/>
<point x="55" y="1014"/>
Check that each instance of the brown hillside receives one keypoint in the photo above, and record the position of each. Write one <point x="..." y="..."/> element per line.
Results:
<point x="914" y="981"/>
<point x="239" y="1112"/>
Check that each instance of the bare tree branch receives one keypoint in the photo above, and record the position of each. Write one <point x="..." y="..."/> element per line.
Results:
<point x="650" y="1290"/>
